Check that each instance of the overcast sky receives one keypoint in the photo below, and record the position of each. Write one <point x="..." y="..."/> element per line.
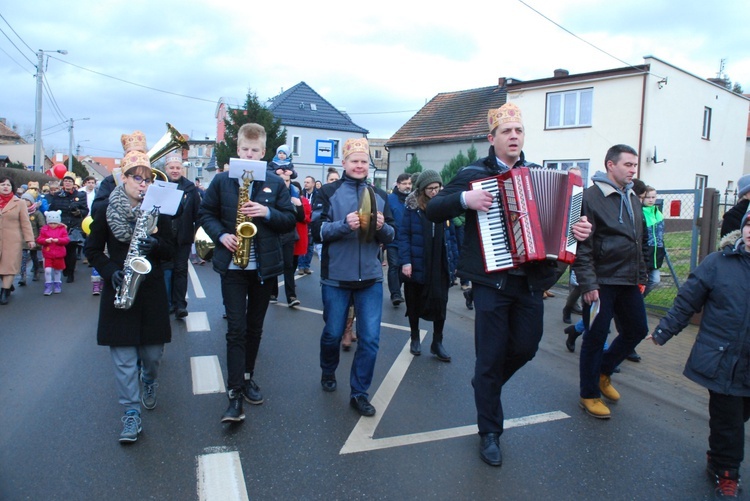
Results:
<point x="380" y="64"/>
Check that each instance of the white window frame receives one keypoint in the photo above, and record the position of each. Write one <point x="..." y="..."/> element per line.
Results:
<point x="567" y="164"/>
<point x="570" y="108"/>
<point x="296" y="145"/>
<point x="706" y="132"/>
<point x="378" y="154"/>
<point x="336" y="146"/>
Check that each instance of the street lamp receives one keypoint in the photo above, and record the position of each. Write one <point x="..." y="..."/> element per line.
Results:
<point x="70" y="144"/>
<point x="38" y="126"/>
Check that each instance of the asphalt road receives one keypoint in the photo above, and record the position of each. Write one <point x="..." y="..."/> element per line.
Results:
<point x="60" y="419"/>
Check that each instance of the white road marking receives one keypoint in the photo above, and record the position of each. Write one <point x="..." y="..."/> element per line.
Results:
<point x="197" y="321"/>
<point x="296" y="277"/>
<point x="220" y="477"/>
<point x="206" y="374"/>
<point x="197" y="287"/>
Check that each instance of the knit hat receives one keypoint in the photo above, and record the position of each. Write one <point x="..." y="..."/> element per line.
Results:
<point x="53" y="216"/>
<point x="744" y="219"/>
<point x="508" y="112"/>
<point x="743" y="185"/>
<point x="28" y="196"/>
<point x="284" y="148"/>
<point x="427" y="178"/>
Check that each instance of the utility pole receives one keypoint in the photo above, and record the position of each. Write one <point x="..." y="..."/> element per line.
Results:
<point x="38" y="158"/>
<point x="70" y="143"/>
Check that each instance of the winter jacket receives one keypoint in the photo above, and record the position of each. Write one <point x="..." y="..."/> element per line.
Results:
<point x="218" y="215"/>
<point x="347" y="260"/>
<point x="446" y="205"/>
<point x="412" y="244"/>
<point x="733" y="217"/>
<point x="147" y="321"/>
<point x="55" y="249"/>
<point x="15" y="229"/>
<point x="300" y="246"/>
<point x="397" y="203"/>
<point x="184" y="221"/>
<point x="653" y="243"/>
<point x="37" y="221"/>
<point x="720" y="285"/>
<point x="73" y="205"/>
<point x="612" y="254"/>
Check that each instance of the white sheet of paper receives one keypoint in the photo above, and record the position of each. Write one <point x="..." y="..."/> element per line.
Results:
<point x="165" y="184"/>
<point x="593" y="312"/>
<point x="238" y="166"/>
<point x="167" y="199"/>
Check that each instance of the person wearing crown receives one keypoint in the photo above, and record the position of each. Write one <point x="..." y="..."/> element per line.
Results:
<point x="508" y="303"/>
<point x="135" y="336"/>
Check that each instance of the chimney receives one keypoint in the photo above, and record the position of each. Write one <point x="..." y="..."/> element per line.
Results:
<point x="560" y="73"/>
<point x="501" y="82"/>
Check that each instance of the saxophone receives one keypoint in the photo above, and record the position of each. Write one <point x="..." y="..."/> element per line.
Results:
<point x="245" y="229"/>
<point x="136" y="265"/>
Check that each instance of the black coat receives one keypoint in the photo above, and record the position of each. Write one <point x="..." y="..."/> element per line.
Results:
<point x="74" y="207"/>
<point x="147" y="321"/>
<point x="184" y="222"/>
<point x="218" y="215"/>
<point x="733" y="217"/>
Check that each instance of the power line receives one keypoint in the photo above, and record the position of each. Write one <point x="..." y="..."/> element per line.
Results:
<point x="19" y="64"/>
<point x="55" y="107"/>
<point x="14" y="32"/>
<point x="16" y="46"/>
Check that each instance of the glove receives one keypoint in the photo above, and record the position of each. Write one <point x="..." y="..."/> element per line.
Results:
<point x="75" y="212"/>
<point x="642" y="288"/>
<point x="148" y="244"/>
<point x="117" y="278"/>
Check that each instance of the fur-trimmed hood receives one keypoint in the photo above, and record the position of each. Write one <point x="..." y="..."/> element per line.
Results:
<point x="732" y="240"/>
<point x="411" y="201"/>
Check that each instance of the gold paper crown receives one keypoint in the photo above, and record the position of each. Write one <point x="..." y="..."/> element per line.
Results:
<point x="134" y="159"/>
<point x="133" y="142"/>
<point x="173" y="157"/>
<point x="508" y="112"/>
<point x="356" y="145"/>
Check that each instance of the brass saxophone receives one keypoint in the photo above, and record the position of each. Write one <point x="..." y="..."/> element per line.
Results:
<point x="245" y="229"/>
<point x="136" y="265"/>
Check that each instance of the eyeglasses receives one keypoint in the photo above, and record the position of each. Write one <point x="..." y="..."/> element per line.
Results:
<point x="432" y="188"/>
<point x="139" y="179"/>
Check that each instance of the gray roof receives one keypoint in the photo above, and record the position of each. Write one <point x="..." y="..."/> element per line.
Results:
<point x="300" y="106"/>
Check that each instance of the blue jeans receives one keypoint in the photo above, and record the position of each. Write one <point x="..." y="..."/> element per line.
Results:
<point x="394" y="277"/>
<point x="654" y="277"/>
<point x="368" y="303"/>
<point x="626" y="302"/>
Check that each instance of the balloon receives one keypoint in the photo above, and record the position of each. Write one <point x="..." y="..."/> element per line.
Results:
<point x="59" y="170"/>
<point x="86" y="224"/>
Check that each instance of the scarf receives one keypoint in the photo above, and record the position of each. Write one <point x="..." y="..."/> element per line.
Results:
<point x="435" y="290"/>
<point x="121" y="216"/>
<point x="4" y="199"/>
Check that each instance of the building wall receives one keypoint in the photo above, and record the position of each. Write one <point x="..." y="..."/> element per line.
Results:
<point x="19" y="152"/>
<point x="304" y="162"/>
<point x="430" y="156"/>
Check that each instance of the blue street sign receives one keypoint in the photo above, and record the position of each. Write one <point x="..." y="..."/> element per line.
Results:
<point x="323" y="151"/>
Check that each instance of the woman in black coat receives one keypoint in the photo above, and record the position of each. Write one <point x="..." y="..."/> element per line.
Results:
<point x="136" y="336"/>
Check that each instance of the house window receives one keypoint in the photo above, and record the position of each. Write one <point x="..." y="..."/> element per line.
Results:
<point x="200" y="171"/>
<point x="200" y="151"/>
<point x="378" y="154"/>
<point x="295" y="146"/>
<point x="706" y="123"/>
<point x="569" y="108"/>
<point x="567" y="164"/>
<point x="336" y="143"/>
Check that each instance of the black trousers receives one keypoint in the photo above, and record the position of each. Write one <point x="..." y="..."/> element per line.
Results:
<point x="246" y="303"/>
<point x="727" y="417"/>
<point x="290" y="264"/>
<point x="413" y="296"/>
<point x="180" y="276"/>
<point x="70" y="258"/>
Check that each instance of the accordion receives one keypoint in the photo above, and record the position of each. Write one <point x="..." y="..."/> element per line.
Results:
<point x="530" y="218"/>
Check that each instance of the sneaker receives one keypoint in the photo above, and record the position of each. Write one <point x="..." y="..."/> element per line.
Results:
<point x="273" y="300"/>
<point x="595" y="407"/>
<point x="605" y="386"/>
<point x="180" y="313"/>
<point x="363" y="406"/>
<point x="148" y="394"/>
<point x="726" y="480"/>
<point x="397" y="300"/>
<point x="251" y="392"/>
<point x="308" y="271"/>
<point x="131" y="427"/>
<point x="293" y="301"/>
<point x="96" y="288"/>
<point x="48" y="289"/>
<point x="57" y="287"/>
<point x="328" y="382"/>
<point x="21" y="283"/>
<point x="234" y="412"/>
<point x="301" y="271"/>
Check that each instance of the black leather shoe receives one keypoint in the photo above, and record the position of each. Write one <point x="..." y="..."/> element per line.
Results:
<point x="397" y="300"/>
<point x="4" y="295"/>
<point x="489" y="449"/>
<point x="570" y="343"/>
<point x="71" y="278"/>
<point x="416" y="347"/>
<point x="469" y="296"/>
<point x="251" y="392"/>
<point x="362" y="406"/>
<point x="634" y="357"/>
<point x="566" y="315"/>
<point x="436" y="348"/>
<point x="234" y="412"/>
<point x="180" y="313"/>
<point x="328" y="382"/>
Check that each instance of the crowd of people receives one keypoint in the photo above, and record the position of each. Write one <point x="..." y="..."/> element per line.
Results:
<point x="428" y="236"/>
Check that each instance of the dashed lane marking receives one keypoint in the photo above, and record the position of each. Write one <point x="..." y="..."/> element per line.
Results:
<point x="197" y="287"/>
<point x="197" y="321"/>
<point x="206" y="375"/>
<point x="220" y="477"/>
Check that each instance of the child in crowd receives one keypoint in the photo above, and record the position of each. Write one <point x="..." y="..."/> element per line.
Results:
<point x="36" y="218"/>
<point x="653" y="250"/>
<point x="719" y="358"/>
<point x="53" y="237"/>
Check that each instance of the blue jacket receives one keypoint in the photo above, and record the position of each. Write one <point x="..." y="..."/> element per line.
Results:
<point x="397" y="203"/>
<point x="720" y="285"/>
<point x="346" y="259"/>
<point x="411" y="241"/>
